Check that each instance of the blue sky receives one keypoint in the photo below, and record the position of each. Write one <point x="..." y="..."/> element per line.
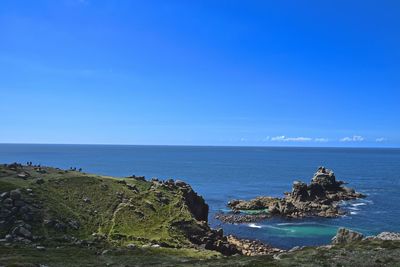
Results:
<point x="268" y="73"/>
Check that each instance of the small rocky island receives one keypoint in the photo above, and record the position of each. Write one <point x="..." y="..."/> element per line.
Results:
<point x="319" y="198"/>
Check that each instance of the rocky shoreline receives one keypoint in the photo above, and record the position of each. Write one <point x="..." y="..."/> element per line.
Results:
<point x="319" y="198"/>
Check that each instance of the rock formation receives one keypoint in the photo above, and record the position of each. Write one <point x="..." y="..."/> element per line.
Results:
<point x="319" y="198"/>
<point x="345" y="236"/>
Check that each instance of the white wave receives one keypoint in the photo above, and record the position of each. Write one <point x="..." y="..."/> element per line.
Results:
<point x="359" y="204"/>
<point x="367" y="201"/>
<point x="353" y="208"/>
<point x="277" y="228"/>
<point x="253" y="225"/>
<point x="353" y="212"/>
<point x="379" y="212"/>
<point x="294" y="224"/>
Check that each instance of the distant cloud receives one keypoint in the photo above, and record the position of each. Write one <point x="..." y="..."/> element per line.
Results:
<point x="354" y="138"/>
<point x="321" y="140"/>
<point x="380" y="139"/>
<point x="266" y="139"/>
<point x="283" y="138"/>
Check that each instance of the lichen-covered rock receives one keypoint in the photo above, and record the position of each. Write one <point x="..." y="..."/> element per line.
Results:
<point x="345" y="236"/>
<point x="252" y="247"/>
<point x="388" y="236"/>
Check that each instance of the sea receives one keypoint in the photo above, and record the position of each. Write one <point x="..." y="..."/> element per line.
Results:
<point x="221" y="174"/>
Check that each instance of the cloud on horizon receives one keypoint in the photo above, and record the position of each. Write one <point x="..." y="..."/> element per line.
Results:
<point x="283" y="138"/>
<point x="354" y="138"/>
<point x="321" y="140"/>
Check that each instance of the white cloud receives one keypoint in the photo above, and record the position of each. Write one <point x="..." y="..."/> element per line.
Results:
<point x="278" y="138"/>
<point x="266" y="139"/>
<point x="321" y="140"/>
<point x="354" y="138"/>
<point x="380" y="139"/>
<point x="283" y="138"/>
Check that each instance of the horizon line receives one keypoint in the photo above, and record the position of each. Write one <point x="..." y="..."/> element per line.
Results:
<point x="181" y="145"/>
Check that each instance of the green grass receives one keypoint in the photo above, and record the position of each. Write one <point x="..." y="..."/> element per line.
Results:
<point x="366" y="253"/>
<point x="114" y="210"/>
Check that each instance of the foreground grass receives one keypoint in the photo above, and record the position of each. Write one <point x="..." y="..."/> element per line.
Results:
<point x="366" y="253"/>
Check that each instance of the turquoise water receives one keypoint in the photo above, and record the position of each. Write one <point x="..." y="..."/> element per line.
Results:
<point x="224" y="173"/>
<point x="254" y="212"/>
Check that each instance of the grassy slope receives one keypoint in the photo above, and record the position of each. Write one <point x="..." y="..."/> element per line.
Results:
<point x="112" y="209"/>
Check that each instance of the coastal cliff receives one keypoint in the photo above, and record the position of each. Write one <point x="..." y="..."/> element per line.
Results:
<point x="43" y="204"/>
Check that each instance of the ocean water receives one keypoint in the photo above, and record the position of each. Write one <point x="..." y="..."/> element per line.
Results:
<point x="224" y="173"/>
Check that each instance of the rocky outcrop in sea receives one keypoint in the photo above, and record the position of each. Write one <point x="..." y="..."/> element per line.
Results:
<point x="319" y="198"/>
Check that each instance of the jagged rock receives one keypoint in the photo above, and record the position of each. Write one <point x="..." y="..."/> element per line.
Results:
<point x="14" y="166"/>
<point x="345" y="236"/>
<point x="388" y="236"/>
<point x="131" y="246"/>
<point x="180" y="183"/>
<point x="299" y="191"/>
<point x="15" y="194"/>
<point x="195" y="203"/>
<point x="86" y="200"/>
<point x="132" y="187"/>
<point x="326" y="178"/>
<point x="7" y="203"/>
<point x="240" y="218"/>
<point x="254" y="204"/>
<point x="319" y="198"/>
<point x="4" y="195"/>
<point x="9" y="238"/>
<point x="19" y="203"/>
<point x="22" y="232"/>
<point x="23" y="175"/>
<point x="315" y="191"/>
<point x="252" y="247"/>
<point x="74" y="224"/>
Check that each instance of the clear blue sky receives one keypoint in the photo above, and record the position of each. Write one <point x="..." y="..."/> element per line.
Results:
<point x="304" y="73"/>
